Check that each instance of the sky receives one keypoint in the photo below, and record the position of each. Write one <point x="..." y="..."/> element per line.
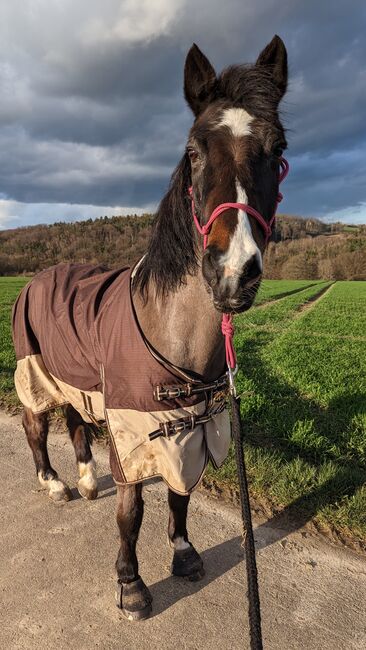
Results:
<point x="92" y="114"/>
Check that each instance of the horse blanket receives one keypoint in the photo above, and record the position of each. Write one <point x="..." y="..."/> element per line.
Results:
<point x="77" y="341"/>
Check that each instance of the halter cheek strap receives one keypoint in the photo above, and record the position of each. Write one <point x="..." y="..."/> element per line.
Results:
<point x="227" y="326"/>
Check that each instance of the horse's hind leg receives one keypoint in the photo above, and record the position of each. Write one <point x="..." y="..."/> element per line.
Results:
<point x="133" y="597"/>
<point x="81" y="440"/>
<point x="36" y="429"/>
<point x="187" y="563"/>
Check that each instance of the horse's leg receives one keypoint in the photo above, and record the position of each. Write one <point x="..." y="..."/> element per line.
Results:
<point x="133" y="597"/>
<point x="80" y="437"/>
<point x="186" y="561"/>
<point x="36" y="429"/>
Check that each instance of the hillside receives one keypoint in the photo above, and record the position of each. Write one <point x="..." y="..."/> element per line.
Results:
<point x="302" y="248"/>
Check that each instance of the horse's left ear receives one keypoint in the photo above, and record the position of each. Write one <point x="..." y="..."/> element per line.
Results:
<point x="274" y="56"/>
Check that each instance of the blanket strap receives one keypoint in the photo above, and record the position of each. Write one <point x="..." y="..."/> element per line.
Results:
<point x="173" y="427"/>
<point x="174" y="391"/>
<point x="216" y="394"/>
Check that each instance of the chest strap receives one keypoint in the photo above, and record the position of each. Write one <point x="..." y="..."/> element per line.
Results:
<point x="216" y="394"/>
<point x="174" y="391"/>
<point x="173" y="427"/>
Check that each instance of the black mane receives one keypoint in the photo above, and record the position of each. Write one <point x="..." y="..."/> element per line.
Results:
<point x="172" y="253"/>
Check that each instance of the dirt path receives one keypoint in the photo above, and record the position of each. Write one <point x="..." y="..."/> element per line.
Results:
<point x="57" y="575"/>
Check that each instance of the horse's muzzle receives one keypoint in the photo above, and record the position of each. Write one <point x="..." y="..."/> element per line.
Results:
<point x="232" y="292"/>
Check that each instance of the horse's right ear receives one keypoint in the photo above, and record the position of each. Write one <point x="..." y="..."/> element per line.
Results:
<point x="274" y="57"/>
<point x="199" y="80"/>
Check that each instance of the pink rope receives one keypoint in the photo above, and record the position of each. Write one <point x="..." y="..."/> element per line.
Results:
<point x="227" y="326"/>
<point x="227" y="329"/>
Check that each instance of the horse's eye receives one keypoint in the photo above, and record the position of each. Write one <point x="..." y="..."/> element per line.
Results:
<point x="193" y="155"/>
<point x="277" y="150"/>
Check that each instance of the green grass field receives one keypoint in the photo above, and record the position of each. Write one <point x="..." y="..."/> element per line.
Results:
<point x="9" y="289"/>
<point x="303" y="380"/>
<point x="302" y="359"/>
<point x="275" y="289"/>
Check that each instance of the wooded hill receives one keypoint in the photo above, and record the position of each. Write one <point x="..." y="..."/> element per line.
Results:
<point x="302" y="248"/>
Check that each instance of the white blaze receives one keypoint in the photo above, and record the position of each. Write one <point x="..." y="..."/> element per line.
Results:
<point x="242" y="245"/>
<point x="238" y="121"/>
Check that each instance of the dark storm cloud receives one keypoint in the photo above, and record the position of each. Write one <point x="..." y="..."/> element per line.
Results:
<point x="92" y="112"/>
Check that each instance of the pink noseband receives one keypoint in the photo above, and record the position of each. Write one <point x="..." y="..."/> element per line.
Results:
<point x="267" y="227"/>
<point x="227" y="326"/>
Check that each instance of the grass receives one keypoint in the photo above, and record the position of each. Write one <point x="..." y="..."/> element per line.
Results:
<point x="9" y="289"/>
<point x="274" y="289"/>
<point x="302" y="378"/>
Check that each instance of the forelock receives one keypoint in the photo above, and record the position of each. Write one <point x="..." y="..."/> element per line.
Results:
<point x="249" y="87"/>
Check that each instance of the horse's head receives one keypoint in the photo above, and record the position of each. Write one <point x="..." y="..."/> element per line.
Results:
<point x="234" y="147"/>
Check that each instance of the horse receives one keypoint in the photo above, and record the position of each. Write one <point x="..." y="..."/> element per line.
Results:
<point x="177" y="295"/>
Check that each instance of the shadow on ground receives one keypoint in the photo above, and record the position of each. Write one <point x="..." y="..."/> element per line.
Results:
<point x="217" y="561"/>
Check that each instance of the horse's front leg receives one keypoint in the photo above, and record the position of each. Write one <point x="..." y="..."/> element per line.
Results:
<point x="133" y="597"/>
<point x="187" y="563"/>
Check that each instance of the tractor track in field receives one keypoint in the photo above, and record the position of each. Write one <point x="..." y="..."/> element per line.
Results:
<point x="311" y="302"/>
<point x="282" y="297"/>
<point x="280" y="330"/>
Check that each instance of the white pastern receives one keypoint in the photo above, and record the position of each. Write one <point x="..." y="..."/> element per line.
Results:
<point x="242" y="245"/>
<point x="88" y="475"/>
<point x="53" y="485"/>
<point x="180" y="544"/>
<point x="238" y="121"/>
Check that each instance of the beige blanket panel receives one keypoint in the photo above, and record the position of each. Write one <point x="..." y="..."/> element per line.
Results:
<point x="40" y="391"/>
<point x="35" y="387"/>
<point x="181" y="459"/>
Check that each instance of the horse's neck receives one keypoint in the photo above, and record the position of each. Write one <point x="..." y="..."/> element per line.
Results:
<point x="184" y="327"/>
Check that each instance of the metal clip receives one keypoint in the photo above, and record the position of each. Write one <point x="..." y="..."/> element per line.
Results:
<point x="231" y="375"/>
<point x="170" y="392"/>
<point x="174" y="393"/>
<point x="159" y="393"/>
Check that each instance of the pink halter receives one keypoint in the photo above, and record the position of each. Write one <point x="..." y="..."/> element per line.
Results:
<point x="227" y="326"/>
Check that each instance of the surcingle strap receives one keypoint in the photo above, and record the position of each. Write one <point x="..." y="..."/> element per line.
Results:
<point x="171" y="428"/>
<point x="175" y="391"/>
<point x="215" y="405"/>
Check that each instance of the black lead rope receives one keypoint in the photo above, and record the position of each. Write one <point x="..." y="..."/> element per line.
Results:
<point x="251" y="565"/>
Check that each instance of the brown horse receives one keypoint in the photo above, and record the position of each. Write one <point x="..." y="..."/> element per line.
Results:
<point x="180" y="290"/>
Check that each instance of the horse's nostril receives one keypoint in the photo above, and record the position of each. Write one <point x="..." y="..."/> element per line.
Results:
<point x="251" y="270"/>
<point x="210" y="268"/>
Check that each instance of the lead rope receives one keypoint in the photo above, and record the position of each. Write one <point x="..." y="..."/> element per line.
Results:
<point x="227" y="329"/>
<point x="254" y="611"/>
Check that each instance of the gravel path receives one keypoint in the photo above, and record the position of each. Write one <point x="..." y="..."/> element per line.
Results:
<point x="57" y="571"/>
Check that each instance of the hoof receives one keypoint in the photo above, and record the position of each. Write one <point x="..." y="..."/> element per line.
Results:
<point x="187" y="563"/>
<point x="61" y="495"/>
<point x="58" y="491"/>
<point x="87" y="493"/>
<point x="134" y="599"/>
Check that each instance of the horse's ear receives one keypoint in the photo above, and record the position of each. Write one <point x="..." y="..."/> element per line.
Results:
<point x="274" y="56"/>
<point x="199" y="80"/>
